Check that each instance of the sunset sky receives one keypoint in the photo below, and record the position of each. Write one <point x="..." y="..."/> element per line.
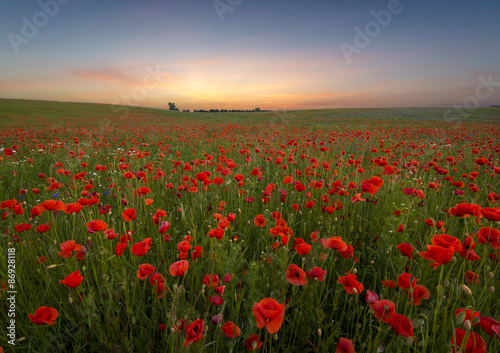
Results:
<point x="251" y="53"/>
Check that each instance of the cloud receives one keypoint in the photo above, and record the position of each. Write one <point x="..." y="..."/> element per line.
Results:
<point x="101" y="74"/>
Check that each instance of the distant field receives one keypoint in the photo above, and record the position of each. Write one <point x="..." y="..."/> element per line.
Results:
<point x="15" y="112"/>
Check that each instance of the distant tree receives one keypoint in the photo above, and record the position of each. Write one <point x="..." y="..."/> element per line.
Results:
<point x="171" y="106"/>
<point x="257" y="109"/>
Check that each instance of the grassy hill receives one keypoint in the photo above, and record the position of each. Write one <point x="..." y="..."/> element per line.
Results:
<point x="19" y="112"/>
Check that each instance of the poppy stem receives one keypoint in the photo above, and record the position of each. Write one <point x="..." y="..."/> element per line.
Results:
<point x="436" y="311"/>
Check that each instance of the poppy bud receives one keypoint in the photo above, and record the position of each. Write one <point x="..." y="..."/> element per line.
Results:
<point x="466" y="290"/>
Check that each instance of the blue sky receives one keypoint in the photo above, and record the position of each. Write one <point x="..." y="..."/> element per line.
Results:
<point x="270" y="54"/>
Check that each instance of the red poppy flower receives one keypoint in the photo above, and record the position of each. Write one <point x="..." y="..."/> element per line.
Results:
<point x="73" y="207"/>
<point x="469" y="315"/>
<point x="417" y="294"/>
<point x="481" y="161"/>
<point x="253" y="342"/>
<point x="299" y="187"/>
<point x="467" y="249"/>
<point x="371" y="185"/>
<point x="383" y="309"/>
<point x="259" y="221"/>
<point x="194" y="332"/>
<point x="303" y="248"/>
<point x="218" y="180"/>
<point x="158" y="215"/>
<point x="489" y="235"/>
<point x="120" y="247"/>
<point x="201" y="176"/>
<point x="256" y="172"/>
<point x="295" y="275"/>
<point x="316" y="273"/>
<point x="438" y="254"/>
<point x="183" y="246"/>
<point x="269" y="313"/>
<point x="356" y="198"/>
<point x="447" y="241"/>
<point x="51" y="205"/>
<point x="388" y="283"/>
<point x="407" y="281"/>
<point x="72" y="280"/>
<point x="220" y="289"/>
<point x="491" y="214"/>
<point x="180" y="325"/>
<point x="178" y="268"/>
<point x="430" y="222"/>
<point x="473" y="188"/>
<point x="371" y="297"/>
<point x="310" y="204"/>
<point x="216" y="300"/>
<point x="344" y="346"/>
<point x="223" y="224"/>
<point x="143" y="190"/>
<point x="18" y="209"/>
<point x="216" y="232"/>
<point x="145" y="270"/>
<point x="44" y="315"/>
<point x="96" y="225"/>
<point x="141" y="248"/>
<point x="196" y="252"/>
<point x="68" y="247"/>
<point x="466" y="210"/>
<point x="334" y="243"/>
<point x="406" y="249"/>
<point x="490" y="326"/>
<point x="231" y="330"/>
<point x="211" y="281"/>
<point x="475" y="343"/>
<point x="129" y="214"/>
<point x="164" y="227"/>
<point x="351" y="285"/>
<point x="22" y="227"/>
<point x="401" y="325"/>
<point x="471" y="277"/>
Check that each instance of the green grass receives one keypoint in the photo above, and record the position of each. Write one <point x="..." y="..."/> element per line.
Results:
<point x="15" y="112"/>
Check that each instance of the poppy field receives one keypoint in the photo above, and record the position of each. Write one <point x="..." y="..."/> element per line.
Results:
<point x="349" y="236"/>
